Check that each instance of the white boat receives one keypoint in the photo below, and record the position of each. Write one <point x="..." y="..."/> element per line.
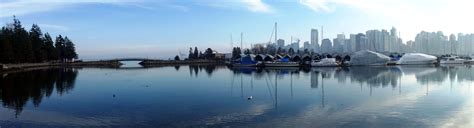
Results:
<point x="452" y="60"/>
<point x="417" y="59"/>
<point x="326" y="62"/>
<point x="281" y="64"/>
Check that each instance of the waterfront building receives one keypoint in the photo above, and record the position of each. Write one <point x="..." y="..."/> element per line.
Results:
<point x="326" y="46"/>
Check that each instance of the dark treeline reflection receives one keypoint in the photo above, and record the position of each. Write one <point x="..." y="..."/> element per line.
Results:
<point x="194" y="70"/>
<point x="16" y="89"/>
<point x="372" y="76"/>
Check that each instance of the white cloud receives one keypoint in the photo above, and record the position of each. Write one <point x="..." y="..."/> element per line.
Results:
<point x="316" y="5"/>
<point x="257" y="6"/>
<point x="24" y="7"/>
<point x="250" y="5"/>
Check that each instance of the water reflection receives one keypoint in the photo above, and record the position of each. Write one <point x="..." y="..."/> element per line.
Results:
<point x="216" y="96"/>
<point x="16" y="89"/>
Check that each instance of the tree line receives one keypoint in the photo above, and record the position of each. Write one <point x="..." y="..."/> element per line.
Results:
<point x="208" y="54"/>
<point x="17" y="45"/>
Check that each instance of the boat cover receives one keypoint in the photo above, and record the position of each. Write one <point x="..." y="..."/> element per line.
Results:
<point x="367" y="57"/>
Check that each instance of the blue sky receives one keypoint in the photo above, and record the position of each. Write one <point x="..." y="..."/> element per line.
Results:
<point x="161" y="28"/>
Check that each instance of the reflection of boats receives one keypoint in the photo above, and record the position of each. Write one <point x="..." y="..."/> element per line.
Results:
<point x="452" y="60"/>
<point x="246" y="61"/>
<point x="417" y="59"/>
<point x="326" y="62"/>
<point x="281" y="64"/>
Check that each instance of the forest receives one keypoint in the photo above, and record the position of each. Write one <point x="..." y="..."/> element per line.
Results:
<point x="18" y="45"/>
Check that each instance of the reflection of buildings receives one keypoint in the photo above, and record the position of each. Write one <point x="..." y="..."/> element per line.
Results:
<point x="17" y="88"/>
<point x="314" y="79"/>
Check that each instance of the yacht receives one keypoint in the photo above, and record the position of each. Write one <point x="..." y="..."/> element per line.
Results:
<point x="452" y="60"/>
<point x="326" y="62"/>
<point x="417" y="59"/>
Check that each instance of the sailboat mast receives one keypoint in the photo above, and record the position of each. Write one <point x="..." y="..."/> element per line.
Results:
<point x="275" y="44"/>
<point x="241" y="40"/>
<point x="276" y="28"/>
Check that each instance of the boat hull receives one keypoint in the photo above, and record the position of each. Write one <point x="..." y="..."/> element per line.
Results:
<point x="281" y="64"/>
<point x="417" y="62"/>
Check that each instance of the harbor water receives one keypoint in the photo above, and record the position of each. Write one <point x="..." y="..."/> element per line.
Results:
<point x="218" y="96"/>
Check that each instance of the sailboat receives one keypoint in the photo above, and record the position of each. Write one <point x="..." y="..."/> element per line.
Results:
<point x="281" y="61"/>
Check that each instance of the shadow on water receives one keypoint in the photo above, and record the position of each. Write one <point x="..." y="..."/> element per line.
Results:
<point x="16" y="89"/>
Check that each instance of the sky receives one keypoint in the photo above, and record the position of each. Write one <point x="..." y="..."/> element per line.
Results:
<point x="104" y="29"/>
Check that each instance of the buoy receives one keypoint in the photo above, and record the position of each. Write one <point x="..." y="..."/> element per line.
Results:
<point x="250" y="98"/>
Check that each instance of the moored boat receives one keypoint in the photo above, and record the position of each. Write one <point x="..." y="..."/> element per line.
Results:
<point x="326" y="62"/>
<point x="452" y="60"/>
<point x="417" y="59"/>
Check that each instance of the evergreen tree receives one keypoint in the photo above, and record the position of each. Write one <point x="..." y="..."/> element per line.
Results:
<point x="196" y="53"/>
<point x="6" y="49"/>
<point x="191" y="54"/>
<point x="21" y="43"/>
<point x="48" y="47"/>
<point x="17" y="45"/>
<point x="176" y="57"/>
<point x="59" y="46"/>
<point x="208" y="54"/>
<point x="37" y="43"/>
<point x="69" y="49"/>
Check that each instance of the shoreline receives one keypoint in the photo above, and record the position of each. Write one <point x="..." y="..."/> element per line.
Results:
<point x="110" y="64"/>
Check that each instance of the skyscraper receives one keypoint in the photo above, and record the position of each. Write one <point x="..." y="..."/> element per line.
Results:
<point x="326" y="46"/>
<point x="339" y="43"/>
<point x="314" y="41"/>
<point x="452" y="44"/>
<point x="361" y="42"/>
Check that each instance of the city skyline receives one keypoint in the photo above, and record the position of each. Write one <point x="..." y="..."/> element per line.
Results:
<point x="159" y="29"/>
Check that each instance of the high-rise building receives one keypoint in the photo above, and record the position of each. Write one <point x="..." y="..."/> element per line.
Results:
<point x="452" y="44"/>
<point x="375" y="40"/>
<point x="326" y="46"/>
<point x="361" y="42"/>
<point x="352" y="43"/>
<point x="339" y="43"/>
<point x="314" y="41"/>
<point x="280" y="43"/>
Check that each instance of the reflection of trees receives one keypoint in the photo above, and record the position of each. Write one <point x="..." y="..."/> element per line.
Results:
<point x="17" y="88"/>
<point x="208" y="68"/>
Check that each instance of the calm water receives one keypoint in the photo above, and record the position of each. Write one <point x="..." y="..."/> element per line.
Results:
<point x="188" y="96"/>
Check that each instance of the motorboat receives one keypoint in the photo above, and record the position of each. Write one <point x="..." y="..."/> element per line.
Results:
<point x="452" y="60"/>
<point x="417" y="59"/>
<point x="326" y="62"/>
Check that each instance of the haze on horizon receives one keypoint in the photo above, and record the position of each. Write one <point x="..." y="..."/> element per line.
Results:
<point x="160" y="29"/>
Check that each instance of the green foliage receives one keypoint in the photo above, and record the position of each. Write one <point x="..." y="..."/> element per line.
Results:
<point x="177" y="57"/>
<point x="17" y="45"/>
